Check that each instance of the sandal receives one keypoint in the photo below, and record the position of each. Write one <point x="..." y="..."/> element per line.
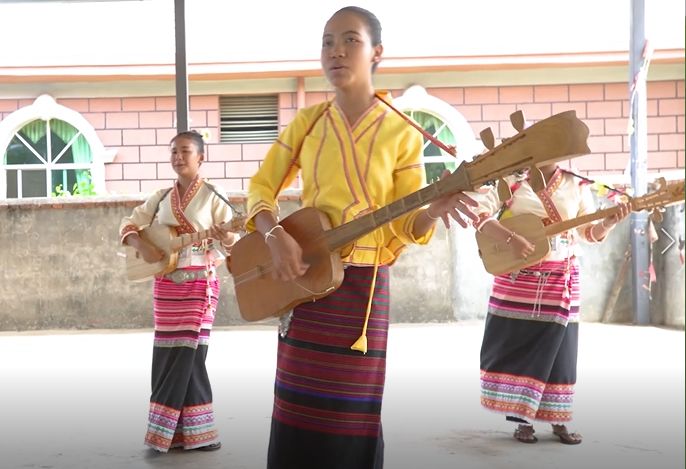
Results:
<point x="525" y="434"/>
<point x="565" y="437"/>
<point x="212" y="447"/>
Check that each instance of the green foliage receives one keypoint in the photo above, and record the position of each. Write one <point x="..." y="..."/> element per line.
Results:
<point x="434" y="170"/>
<point x="85" y="187"/>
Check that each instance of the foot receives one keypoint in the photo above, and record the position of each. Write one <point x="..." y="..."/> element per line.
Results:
<point x="525" y="434"/>
<point x="565" y="437"/>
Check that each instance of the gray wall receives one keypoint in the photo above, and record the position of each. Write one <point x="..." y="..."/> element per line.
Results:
<point x="60" y="270"/>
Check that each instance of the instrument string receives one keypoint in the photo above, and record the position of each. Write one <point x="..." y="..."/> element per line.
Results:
<point x="255" y="273"/>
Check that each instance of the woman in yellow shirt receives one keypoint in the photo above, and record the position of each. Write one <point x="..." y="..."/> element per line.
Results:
<point x="354" y="155"/>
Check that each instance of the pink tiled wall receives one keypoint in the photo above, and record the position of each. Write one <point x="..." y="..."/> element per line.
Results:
<point x="603" y="107"/>
<point x="141" y="128"/>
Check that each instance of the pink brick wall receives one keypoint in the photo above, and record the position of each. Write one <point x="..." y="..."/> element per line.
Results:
<point x="141" y="128"/>
<point x="603" y="107"/>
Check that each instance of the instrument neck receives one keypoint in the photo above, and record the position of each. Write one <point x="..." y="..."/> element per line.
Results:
<point x="561" y="227"/>
<point x="187" y="239"/>
<point x="346" y="233"/>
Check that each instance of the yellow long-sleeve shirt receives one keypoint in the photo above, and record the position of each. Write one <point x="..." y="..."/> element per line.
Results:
<point x="346" y="171"/>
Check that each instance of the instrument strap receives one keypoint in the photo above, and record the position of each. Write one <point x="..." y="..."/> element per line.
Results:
<point x="447" y="148"/>
<point x="591" y="181"/>
<point x="212" y="188"/>
<point x="157" y="207"/>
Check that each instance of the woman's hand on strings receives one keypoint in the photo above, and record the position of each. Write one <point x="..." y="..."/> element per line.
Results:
<point x="453" y="206"/>
<point x="148" y="251"/>
<point x="287" y="256"/>
<point x="612" y="220"/>
<point x="223" y="235"/>
<point x="521" y="246"/>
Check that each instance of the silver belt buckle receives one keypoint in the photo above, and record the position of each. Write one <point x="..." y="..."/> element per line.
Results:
<point x="180" y="276"/>
<point x="535" y="273"/>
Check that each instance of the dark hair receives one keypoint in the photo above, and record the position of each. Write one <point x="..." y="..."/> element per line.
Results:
<point x="193" y="135"/>
<point x="372" y="22"/>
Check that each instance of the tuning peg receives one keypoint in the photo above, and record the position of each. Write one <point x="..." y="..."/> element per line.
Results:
<point x="656" y="216"/>
<point x="487" y="138"/>
<point x="517" y="120"/>
<point x="536" y="180"/>
<point x="661" y="183"/>
<point x="504" y="191"/>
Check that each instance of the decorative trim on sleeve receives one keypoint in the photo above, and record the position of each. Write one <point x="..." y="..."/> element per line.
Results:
<point x="405" y="168"/>
<point x="284" y="145"/>
<point x="127" y="230"/>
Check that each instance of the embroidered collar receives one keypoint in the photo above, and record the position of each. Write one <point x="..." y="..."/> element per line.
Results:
<point x="179" y="205"/>
<point x="546" y="196"/>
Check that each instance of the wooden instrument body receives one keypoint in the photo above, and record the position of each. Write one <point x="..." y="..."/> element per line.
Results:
<point x="259" y="295"/>
<point x="168" y="241"/>
<point x="499" y="257"/>
<point x="162" y="236"/>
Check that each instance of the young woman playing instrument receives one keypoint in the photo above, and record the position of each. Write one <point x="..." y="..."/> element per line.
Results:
<point x="529" y="348"/>
<point x="184" y="300"/>
<point x="354" y="155"/>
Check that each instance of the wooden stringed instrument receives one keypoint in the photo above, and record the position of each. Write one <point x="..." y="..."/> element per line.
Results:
<point x="557" y="138"/>
<point x="169" y="242"/>
<point x="498" y="257"/>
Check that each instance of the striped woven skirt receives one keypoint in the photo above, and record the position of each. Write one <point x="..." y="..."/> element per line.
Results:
<point x="181" y="412"/>
<point x="529" y="348"/>
<point x="327" y="397"/>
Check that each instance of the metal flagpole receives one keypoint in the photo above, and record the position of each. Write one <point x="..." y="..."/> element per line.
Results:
<point x="640" y="244"/>
<point x="181" y="66"/>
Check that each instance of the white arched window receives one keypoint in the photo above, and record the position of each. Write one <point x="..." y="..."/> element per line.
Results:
<point x="445" y="123"/>
<point x="48" y="149"/>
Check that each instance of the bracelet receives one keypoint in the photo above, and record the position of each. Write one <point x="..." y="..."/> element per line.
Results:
<point x="269" y="233"/>
<point x="509" y="238"/>
<point x="590" y="236"/>
<point x="431" y="217"/>
<point x="233" y="241"/>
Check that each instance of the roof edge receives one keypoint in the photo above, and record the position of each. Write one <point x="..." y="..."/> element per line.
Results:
<point x="310" y="68"/>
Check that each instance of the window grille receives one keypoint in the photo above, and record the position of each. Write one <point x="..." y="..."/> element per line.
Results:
<point x="249" y="119"/>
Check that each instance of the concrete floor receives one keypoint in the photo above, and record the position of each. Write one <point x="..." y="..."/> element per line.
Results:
<point x="79" y="400"/>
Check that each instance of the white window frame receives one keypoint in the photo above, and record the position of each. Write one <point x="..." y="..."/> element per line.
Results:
<point x="46" y="108"/>
<point x="415" y="98"/>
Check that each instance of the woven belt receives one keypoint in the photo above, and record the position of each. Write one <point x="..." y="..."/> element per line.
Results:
<point x="181" y="276"/>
